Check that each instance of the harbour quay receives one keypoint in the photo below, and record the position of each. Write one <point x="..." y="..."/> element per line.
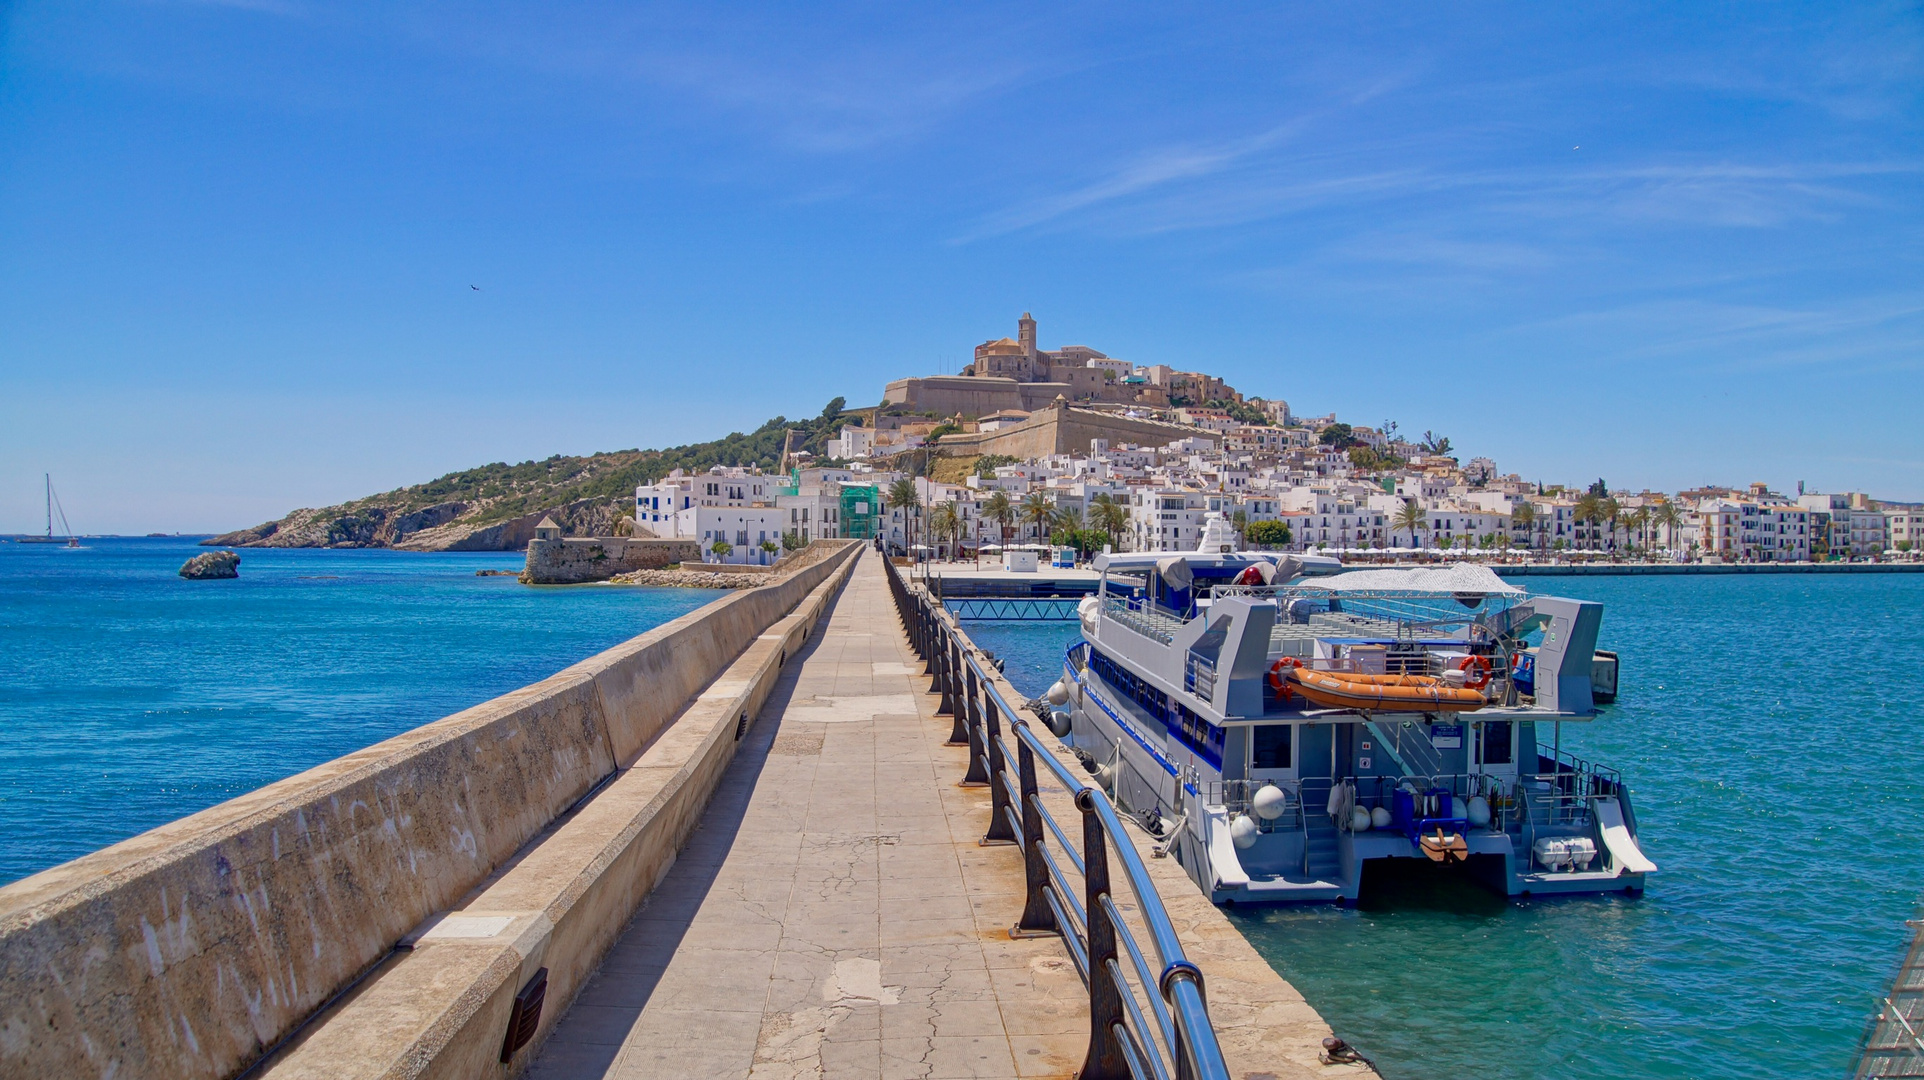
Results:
<point x="772" y="837"/>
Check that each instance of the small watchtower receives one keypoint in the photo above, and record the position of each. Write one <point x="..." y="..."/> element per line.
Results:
<point x="547" y="530"/>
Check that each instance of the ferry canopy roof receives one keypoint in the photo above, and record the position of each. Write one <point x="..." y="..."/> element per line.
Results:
<point x="1454" y="578"/>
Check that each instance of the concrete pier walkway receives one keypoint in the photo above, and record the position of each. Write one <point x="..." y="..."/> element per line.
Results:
<point x="833" y="915"/>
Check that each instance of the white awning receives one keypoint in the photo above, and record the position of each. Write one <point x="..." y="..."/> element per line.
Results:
<point x="1460" y="577"/>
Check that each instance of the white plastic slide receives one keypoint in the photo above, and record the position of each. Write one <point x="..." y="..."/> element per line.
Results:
<point x="1616" y="836"/>
<point x="1223" y="862"/>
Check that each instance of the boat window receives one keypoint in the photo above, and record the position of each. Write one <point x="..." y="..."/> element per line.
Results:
<point x="1193" y="731"/>
<point x="1495" y="748"/>
<point x="1270" y="749"/>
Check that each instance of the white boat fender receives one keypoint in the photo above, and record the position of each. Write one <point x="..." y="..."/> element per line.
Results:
<point x="1478" y="812"/>
<point x="1105" y="774"/>
<point x="1360" y="820"/>
<point x="1058" y="693"/>
<point x="1242" y="831"/>
<point x="1060" y="722"/>
<point x="1381" y="818"/>
<point x="1269" y="802"/>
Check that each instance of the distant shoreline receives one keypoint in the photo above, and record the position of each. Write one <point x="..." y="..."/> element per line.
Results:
<point x="1637" y="569"/>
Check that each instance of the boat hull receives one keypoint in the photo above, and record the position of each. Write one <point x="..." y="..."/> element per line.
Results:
<point x="1153" y="778"/>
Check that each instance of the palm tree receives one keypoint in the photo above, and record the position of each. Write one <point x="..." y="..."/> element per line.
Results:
<point x="902" y="496"/>
<point x="1640" y="524"/>
<point x="1067" y="519"/>
<point x="1589" y="510"/>
<point x="999" y="509"/>
<point x="1524" y="517"/>
<point x="1110" y="516"/>
<point x="1239" y="521"/>
<point x="1412" y="517"/>
<point x="1612" y="512"/>
<point x="1038" y="508"/>
<point x="944" y="521"/>
<point x="1668" y="518"/>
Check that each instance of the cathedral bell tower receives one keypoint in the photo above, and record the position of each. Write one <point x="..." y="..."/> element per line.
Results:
<point x="1025" y="336"/>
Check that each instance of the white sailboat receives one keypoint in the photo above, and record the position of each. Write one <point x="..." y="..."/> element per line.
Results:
<point x="54" y="507"/>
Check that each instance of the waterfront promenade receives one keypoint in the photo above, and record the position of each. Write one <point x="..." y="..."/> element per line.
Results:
<point x="834" y="914"/>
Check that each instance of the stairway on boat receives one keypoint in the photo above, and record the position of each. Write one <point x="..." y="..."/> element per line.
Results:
<point x="1408" y="744"/>
<point x="1325" y="862"/>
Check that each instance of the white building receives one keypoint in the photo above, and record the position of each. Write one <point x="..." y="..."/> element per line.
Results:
<point x="852" y="442"/>
<point x="1905" y="528"/>
<point x="1166" y="519"/>
<point x="1742" y="531"/>
<point x="720" y="486"/>
<point x="745" y="529"/>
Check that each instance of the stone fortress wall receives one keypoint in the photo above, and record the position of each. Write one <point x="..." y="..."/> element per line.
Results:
<point x="572" y="560"/>
<point x="1061" y="429"/>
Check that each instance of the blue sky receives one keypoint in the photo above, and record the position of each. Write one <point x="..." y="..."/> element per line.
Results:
<point x="1667" y="244"/>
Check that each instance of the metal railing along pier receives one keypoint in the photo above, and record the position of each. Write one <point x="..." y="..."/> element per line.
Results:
<point x="1146" y="1021"/>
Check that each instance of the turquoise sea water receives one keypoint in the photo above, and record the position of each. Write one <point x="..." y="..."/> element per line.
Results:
<point x="130" y="697"/>
<point x="1769" y="729"/>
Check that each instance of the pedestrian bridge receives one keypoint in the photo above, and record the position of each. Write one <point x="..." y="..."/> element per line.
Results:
<point x="803" y="831"/>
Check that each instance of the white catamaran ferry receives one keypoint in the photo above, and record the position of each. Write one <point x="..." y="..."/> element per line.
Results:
<point x="1281" y="723"/>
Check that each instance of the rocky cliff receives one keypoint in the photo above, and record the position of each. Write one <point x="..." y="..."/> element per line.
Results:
<point x="496" y="507"/>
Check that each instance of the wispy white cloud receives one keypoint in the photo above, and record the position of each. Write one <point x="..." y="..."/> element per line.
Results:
<point x="1884" y="332"/>
<point x="790" y="77"/>
<point x="1244" y="181"/>
<point x="1147" y="172"/>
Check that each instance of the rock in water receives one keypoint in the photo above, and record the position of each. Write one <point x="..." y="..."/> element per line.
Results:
<point x="214" y="564"/>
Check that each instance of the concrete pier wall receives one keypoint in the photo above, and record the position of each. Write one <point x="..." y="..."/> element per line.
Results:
<point x="193" y="949"/>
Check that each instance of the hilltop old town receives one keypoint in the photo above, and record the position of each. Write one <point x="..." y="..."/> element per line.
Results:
<point x="1070" y="447"/>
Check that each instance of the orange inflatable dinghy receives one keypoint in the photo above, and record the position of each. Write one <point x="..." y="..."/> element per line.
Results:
<point x="1375" y="693"/>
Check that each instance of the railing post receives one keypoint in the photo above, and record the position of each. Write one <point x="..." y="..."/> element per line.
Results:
<point x="1000" y="831"/>
<point x="924" y="620"/>
<point x="945" y="673"/>
<point x="971" y="712"/>
<point x="1104" y="1060"/>
<point x="1037" y="915"/>
<point x="1180" y="1051"/>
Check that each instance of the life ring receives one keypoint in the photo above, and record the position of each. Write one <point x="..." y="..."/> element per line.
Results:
<point x="1278" y="681"/>
<point x="1482" y="668"/>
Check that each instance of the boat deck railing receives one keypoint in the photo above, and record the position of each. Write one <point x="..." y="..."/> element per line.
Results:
<point x="1142" y="617"/>
<point x="1147" y="1021"/>
<point x="1413" y="609"/>
<point x="1236" y="797"/>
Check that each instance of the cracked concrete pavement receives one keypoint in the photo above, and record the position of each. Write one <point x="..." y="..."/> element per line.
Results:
<point x="833" y="915"/>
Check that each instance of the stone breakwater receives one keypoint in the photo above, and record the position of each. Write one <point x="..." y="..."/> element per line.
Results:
<point x="195" y="949"/>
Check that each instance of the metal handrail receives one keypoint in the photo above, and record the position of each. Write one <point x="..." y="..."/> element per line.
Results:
<point x="1181" y="1042"/>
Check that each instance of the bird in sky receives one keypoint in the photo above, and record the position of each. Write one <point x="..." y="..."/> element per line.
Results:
<point x="476" y="288"/>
